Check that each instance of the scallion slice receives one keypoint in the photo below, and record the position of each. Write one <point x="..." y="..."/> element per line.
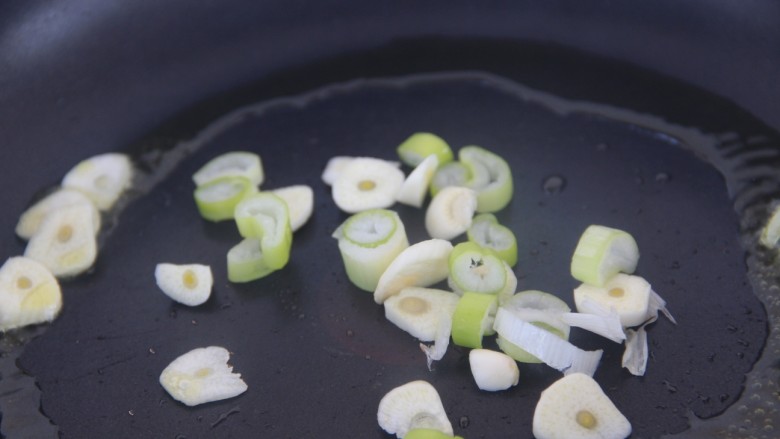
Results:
<point x="218" y="198"/>
<point x="546" y="346"/>
<point x="232" y="164"/>
<point x="486" y="231"/>
<point x="369" y="241"/>
<point x="473" y="318"/>
<point x="601" y="253"/>
<point x="476" y="269"/>
<point x="419" y="146"/>
<point x="265" y="216"/>
<point x="245" y="262"/>
<point x="490" y="175"/>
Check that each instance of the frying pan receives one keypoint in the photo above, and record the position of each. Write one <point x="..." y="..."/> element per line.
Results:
<point x="661" y="120"/>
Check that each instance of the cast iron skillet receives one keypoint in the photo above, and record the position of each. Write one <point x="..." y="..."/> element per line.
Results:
<point x="316" y="352"/>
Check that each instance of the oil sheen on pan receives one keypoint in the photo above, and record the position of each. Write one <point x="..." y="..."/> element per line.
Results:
<point x="318" y="354"/>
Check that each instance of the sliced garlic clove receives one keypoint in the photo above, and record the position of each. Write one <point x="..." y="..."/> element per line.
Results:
<point x="450" y="212"/>
<point x="188" y="284"/>
<point x="415" y="186"/>
<point x="335" y="167"/>
<point x="419" y="265"/>
<point x="103" y="178"/>
<point x="231" y="164"/>
<point x="30" y="221"/>
<point x="65" y="242"/>
<point x="300" y="203"/>
<point x="29" y="294"/>
<point x="493" y="371"/>
<point x="413" y="405"/>
<point x="628" y="295"/>
<point x="418" y="310"/>
<point x="367" y="183"/>
<point x="576" y="407"/>
<point x="202" y="375"/>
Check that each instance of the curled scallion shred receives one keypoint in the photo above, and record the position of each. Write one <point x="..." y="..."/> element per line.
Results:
<point x="551" y="349"/>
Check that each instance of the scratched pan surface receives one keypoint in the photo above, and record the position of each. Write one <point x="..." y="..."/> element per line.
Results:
<point x="318" y="354"/>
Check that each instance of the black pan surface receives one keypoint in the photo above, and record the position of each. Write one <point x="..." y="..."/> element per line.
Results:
<point x="689" y="174"/>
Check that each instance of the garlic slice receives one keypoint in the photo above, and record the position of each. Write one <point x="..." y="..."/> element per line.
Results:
<point x="366" y="183"/>
<point x="188" y="284"/>
<point x="65" y="242"/>
<point x="576" y="407"/>
<point x="419" y="265"/>
<point x="413" y="405"/>
<point x="418" y="310"/>
<point x="29" y="294"/>
<point x="30" y="221"/>
<point x="414" y="188"/>
<point x="300" y="203"/>
<point x="103" y="178"/>
<point x="202" y="375"/>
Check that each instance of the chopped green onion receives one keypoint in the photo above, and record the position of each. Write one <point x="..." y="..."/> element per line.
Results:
<point x="542" y="310"/>
<point x="490" y="176"/>
<point x="473" y="318"/>
<point x="449" y="174"/>
<point x="601" y="253"/>
<point x="546" y="346"/>
<point x="265" y="216"/>
<point x="476" y="269"/>
<point x="369" y="241"/>
<point x="231" y="164"/>
<point x="428" y="433"/>
<point x="217" y="199"/>
<point x="450" y="212"/>
<point x="419" y="146"/>
<point x="487" y="232"/>
<point x="245" y="262"/>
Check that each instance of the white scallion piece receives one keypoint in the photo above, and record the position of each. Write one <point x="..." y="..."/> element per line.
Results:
<point x="635" y="356"/>
<point x="65" y="242"/>
<point x="411" y="406"/>
<point x="420" y="265"/>
<point x="300" y="203"/>
<point x="546" y="346"/>
<point x="628" y="295"/>
<point x="418" y="310"/>
<point x="369" y="242"/>
<point x="29" y="294"/>
<point x="245" y="262"/>
<point x="188" y="284"/>
<point x="598" y="319"/>
<point x="30" y="221"/>
<point x="601" y="253"/>
<point x="449" y="174"/>
<point x="493" y="371"/>
<point x="450" y="212"/>
<point x="415" y="186"/>
<point x="366" y="183"/>
<point x="576" y="407"/>
<point x="202" y="375"/>
<point x="441" y="342"/>
<point x="542" y="310"/>
<point x="103" y="178"/>
<point x="231" y="164"/>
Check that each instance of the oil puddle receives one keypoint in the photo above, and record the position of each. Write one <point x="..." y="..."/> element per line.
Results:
<point x="683" y="193"/>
